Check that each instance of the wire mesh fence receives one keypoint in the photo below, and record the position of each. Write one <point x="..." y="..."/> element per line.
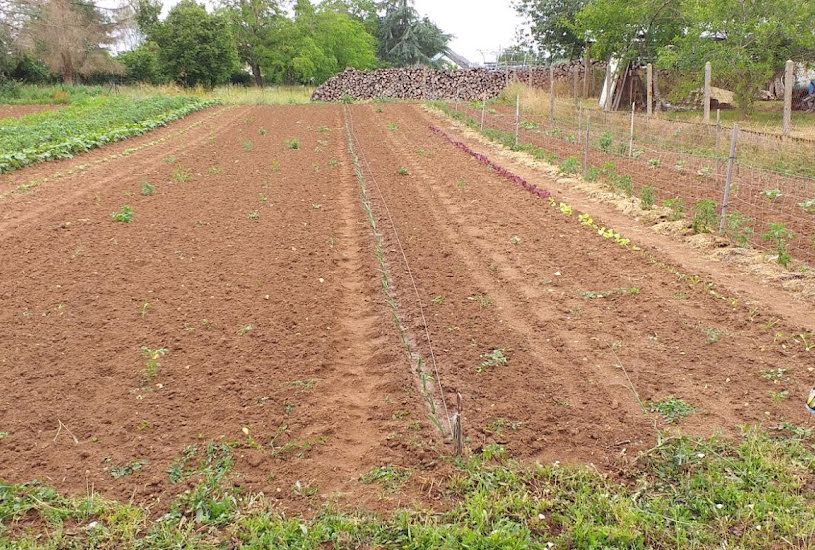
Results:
<point x="680" y="165"/>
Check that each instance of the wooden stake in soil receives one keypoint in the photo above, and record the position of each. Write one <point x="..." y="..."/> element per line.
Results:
<point x="586" y="147"/>
<point x="574" y="86"/>
<point x="458" y="437"/>
<point x="708" y="75"/>
<point x="586" y="76"/>
<point x="631" y="132"/>
<point x="483" y="110"/>
<point x="789" y="80"/>
<point x="730" y="162"/>
<point x="650" y="89"/>
<point x="552" y="94"/>
<point x="517" y="119"/>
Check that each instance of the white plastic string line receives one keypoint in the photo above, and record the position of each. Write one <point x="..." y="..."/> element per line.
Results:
<point x="361" y="154"/>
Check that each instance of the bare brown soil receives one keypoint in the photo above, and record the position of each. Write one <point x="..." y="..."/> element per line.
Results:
<point x="258" y="275"/>
<point x="17" y="111"/>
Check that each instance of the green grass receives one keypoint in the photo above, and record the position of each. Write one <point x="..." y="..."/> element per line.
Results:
<point x="85" y="124"/>
<point x="62" y="94"/>
<point x="671" y="409"/>
<point x="756" y="492"/>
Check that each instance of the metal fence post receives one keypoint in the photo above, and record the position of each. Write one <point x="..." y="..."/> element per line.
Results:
<point x="650" y="90"/>
<point x="517" y="119"/>
<point x="586" y="147"/>
<point x="731" y="160"/>
<point x="631" y="133"/>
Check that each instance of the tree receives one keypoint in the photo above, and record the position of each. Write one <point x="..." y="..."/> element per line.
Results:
<point x="405" y="39"/>
<point x="252" y="22"/>
<point x="70" y="38"/>
<point x="746" y="41"/>
<point x="143" y="64"/>
<point x="317" y="44"/>
<point x="552" y="25"/>
<point x="629" y="29"/>
<point x="364" y="11"/>
<point x="195" y="47"/>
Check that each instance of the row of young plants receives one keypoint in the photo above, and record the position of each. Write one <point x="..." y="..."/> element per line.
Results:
<point x="62" y="133"/>
<point x="684" y="493"/>
<point x="704" y="214"/>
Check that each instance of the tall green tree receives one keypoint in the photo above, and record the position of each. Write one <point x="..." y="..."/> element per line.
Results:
<point x="318" y="43"/>
<point x="195" y="47"/>
<point x="629" y="29"/>
<point x="552" y="25"/>
<point x="746" y="41"/>
<point x="252" y="22"/>
<point x="405" y="39"/>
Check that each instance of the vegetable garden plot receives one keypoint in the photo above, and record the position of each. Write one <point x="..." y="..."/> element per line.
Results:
<point x="203" y="321"/>
<point x="89" y="124"/>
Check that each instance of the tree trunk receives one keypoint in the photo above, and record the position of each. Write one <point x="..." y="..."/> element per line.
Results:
<point x="257" y="74"/>
<point x="67" y="68"/>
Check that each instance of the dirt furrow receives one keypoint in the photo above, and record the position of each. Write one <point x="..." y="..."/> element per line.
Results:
<point x="561" y="286"/>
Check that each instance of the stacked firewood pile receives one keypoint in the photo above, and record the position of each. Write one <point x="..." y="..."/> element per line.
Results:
<point x="425" y="83"/>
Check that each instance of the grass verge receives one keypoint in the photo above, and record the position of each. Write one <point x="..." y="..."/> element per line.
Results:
<point x="684" y="493"/>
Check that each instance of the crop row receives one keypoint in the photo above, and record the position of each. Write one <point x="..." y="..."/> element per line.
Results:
<point x="63" y="133"/>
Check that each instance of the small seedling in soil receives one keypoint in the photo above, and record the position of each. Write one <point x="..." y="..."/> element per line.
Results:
<point x="275" y="166"/>
<point x="170" y="159"/>
<point x="316" y="206"/>
<point x="774" y="375"/>
<point x="117" y="472"/>
<point x="152" y="364"/>
<point x="392" y="126"/>
<point x="780" y="237"/>
<point x="771" y="194"/>
<point x="704" y="216"/>
<point x="214" y="170"/>
<point x="304" y="385"/>
<point x="181" y="175"/>
<point x="306" y="490"/>
<point x="482" y="299"/>
<point x="671" y="409"/>
<point x="403" y="171"/>
<point x="515" y="240"/>
<point x="807" y="341"/>
<point x="438" y="300"/>
<point x="262" y="131"/>
<point x="147" y="189"/>
<point x="245" y="329"/>
<point x="293" y="144"/>
<point x="323" y="129"/>
<point x="143" y="309"/>
<point x="779" y="396"/>
<point x="3" y="435"/>
<point x="124" y="215"/>
<point x="248" y="146"/>
<point x="713" y="335"/>
<point x="495" y="358"/>
<point x="391" y="477"/>
<point x="333" y="163"/>
<point x="462" y="185"/>
<point x="497" y="426"/>
<point x="647" y="198"/>
<point x="250" y="441"/>
<point x="254" y="216"/>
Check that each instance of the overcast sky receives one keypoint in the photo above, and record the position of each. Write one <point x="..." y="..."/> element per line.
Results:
<point x="478" y="25"/>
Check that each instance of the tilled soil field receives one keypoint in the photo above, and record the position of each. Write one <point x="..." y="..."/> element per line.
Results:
<point x="250" y="277"/>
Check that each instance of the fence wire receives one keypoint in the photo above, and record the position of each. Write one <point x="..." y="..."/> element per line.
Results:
<point x="681" y="165"/>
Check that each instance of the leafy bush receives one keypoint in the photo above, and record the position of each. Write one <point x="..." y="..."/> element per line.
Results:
<point x="704" y="216"/>
<point x="606" y="141"/>
<point x="677" y="206"/>
<point x="570" y="166"/>
<point x="738" y="228"/>
<point x="779" y="236"/>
